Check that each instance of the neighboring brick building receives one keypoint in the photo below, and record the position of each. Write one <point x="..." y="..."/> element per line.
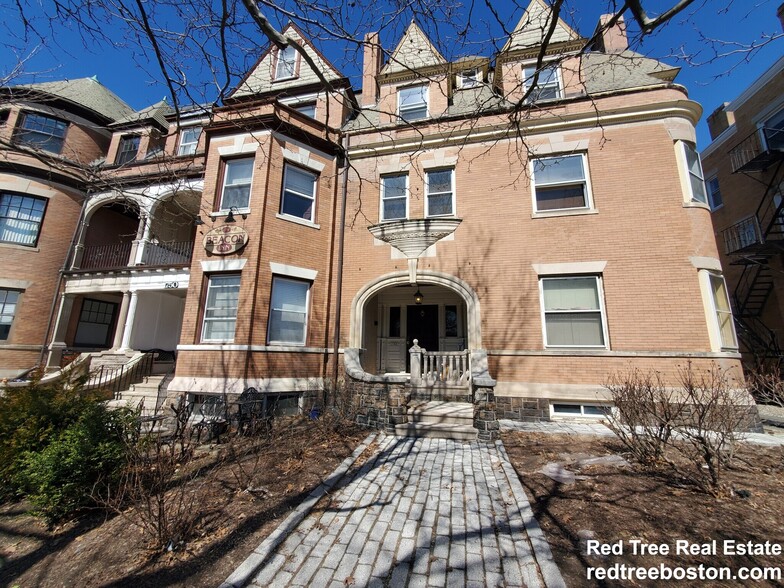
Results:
<point x="744" y="172"/>
<point x="532" y="237"/>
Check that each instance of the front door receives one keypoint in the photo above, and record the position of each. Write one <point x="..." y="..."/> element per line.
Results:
<point x="422" y="324"/>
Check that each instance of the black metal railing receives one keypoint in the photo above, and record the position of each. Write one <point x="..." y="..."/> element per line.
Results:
<point x="106" y="256"/>
<point x="742" y="234"/>
<point x="120" y="378"/>
<point x="751" y="153"/>
<point x="162" y="254"/>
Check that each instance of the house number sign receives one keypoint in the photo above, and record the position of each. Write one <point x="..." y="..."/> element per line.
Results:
<point x="225" y="239"/>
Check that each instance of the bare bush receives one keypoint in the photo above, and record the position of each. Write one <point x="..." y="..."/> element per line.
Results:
<point x="691" y="429"/>
<point x="766" y="384"/>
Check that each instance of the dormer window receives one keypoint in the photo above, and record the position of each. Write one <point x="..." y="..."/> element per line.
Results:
<point x="189" y="140"/>
<point x="548" y="85"/>
<point x="412" y="103"/>
<point x="128" y="150"/>
<point x="469" y="78"/>
<point x="286" y="65"/>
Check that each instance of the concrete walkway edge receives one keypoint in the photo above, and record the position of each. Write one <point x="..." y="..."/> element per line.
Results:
<point x="544" y="557"/>
<point x="245" y="572"/>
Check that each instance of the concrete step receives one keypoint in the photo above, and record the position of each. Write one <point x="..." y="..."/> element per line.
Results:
<point x="437" y="430"/>
<point x="441" y="392"/>
<point x="454" y="413"/>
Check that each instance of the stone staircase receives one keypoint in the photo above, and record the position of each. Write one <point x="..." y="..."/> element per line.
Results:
<point x="439" y="418"/>
<point x="144" y="394"/>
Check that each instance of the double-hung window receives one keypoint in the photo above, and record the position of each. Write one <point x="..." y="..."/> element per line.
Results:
<point x="286" y="64"/>
<point x="469" y="78"/>
<point x="723" y="311"/>
<point x="573" y="312"/>
<point x="696" y="178"/>
<point x="299" y="193"/>
<point x="561" y="183"/>
<point x="8" y="301"/>
<point x="714" y="193"/>
<point x="189" y="140"/>
<point x="412" y="103"/>
<point x="220" y="309"/>
<point x="440" y="191"/>
<point x="128" y="149"/>
<point x="394" y="197"/>
<point x="773" y="131"/>
<point x="548" y="84"/>
<point x="288" y="311"/>
<point x="306" y="108"/>
<point x="20" y="218"/>
<point x="41" y="132"/>
<point x="237" y="177"/>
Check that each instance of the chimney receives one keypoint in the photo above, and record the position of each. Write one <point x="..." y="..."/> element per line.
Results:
<point x="371" y="65"/>
<point x="780" y="13"/>
<point x="611" y="39"/>
<point x="719" y="120"/>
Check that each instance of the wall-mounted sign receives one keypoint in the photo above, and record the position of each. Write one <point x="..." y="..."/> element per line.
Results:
<point x="225" y="239"/>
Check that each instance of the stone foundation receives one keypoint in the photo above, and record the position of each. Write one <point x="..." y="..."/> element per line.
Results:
<point x="379" y="405"/>
<point x="486" y="414"/>
<point x="527" y="410"/>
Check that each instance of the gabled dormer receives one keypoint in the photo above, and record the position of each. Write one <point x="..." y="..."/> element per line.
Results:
<point x="558" y="75"/>
<point x="139" y="136"/>
<point x="283" y="74"/>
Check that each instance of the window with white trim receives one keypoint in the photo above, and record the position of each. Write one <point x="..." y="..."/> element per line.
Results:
<point x="40" y="132"/>
<point x="189" y="140"/>
<point x="714" y="193"/>
<point x="220" y="308"/>
<point x="20" y="218"/>
<point x="561" y="183"/>
<point x="8" y="301"/>
<point x="299" y="193"/>
<point x="394" y="197"/>
<point x="412" y="103"/>
<point x="548" y="84"/>
<point x="306" y="108"/>
<point x="440" y="192"/>
<point x="237" y="179"/>
<point x="470" y="78"/>
<point x="288" y="319"/>
<point x="697" y="191"/>
<point x="128" y="149"/>
<point x="573" y="311"/>
<point x="286" y="64"/>
<point x="722" y="311"/>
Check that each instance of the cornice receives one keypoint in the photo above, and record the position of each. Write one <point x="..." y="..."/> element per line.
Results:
<point x="685" y="109"/>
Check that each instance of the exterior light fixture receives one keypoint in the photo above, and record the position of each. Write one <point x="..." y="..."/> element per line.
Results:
<point x="230" y="217"/>
<point x="197" y="221"/>
<point x="418" y="298"/>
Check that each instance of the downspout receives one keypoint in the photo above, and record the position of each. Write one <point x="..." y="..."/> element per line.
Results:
<point x="339" y="277"/>
<point x="61" y="277"/>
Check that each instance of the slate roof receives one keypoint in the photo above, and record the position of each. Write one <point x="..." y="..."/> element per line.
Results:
<point x="413" y="52"/>
<point x="533" y="26"/>
<point x="606" y="72"/>
<point x="86" y="92"/>
<point x="156" y="112"/>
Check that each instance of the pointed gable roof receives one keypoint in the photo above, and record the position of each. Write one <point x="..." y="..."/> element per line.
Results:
<point x="533" y="26"/>
<point x="259" y="79"/>
<point x="414" y="51"/>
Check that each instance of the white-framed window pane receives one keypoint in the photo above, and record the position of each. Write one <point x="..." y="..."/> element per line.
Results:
<point x="189" y="139"/>
<point x="714" y="193"/>
<point x="572" y="311"/>
<point x="8" y="302"/>
<point x="20" y="218"/>
<point x="220" y="310"/>
<point x="560" y="183"/>
<point x="288" y="311"/>
<point x="696" y="179"/>
<point x="286" y="65"/>
<point x="299" y="193"/>
<point x="721" y="302"/>
<point x="308" y="109"/>
<point x="236" y="184"/>
<point x="548" y="86"/>
<point x="41" y="132"/>
<point x="440" y="192"/>
<point x="412" y="103"/>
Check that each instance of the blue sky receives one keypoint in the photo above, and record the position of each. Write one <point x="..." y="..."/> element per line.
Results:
<point x="690" y="41"/>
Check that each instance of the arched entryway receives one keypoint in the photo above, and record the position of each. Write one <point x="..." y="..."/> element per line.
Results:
<point x="387" y="316"/>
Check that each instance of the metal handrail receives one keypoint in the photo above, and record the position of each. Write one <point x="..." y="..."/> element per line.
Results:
<point x="119" y="379"/>
<point x="106" y="256"/>
<point x="171" y="253"/>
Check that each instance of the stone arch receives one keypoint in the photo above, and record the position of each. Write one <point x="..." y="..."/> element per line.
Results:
<point x="466" y="292"/>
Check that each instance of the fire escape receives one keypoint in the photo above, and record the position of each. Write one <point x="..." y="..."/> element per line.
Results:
<point x="758" y="239"/>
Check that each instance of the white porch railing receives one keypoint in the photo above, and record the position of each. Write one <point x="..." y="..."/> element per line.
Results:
<point x="439" y="367"/>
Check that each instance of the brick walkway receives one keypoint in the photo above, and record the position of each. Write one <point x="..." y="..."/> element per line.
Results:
<point x="419" y="512"/>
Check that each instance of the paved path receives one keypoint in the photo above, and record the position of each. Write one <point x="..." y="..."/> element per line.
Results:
<point x="419" y="512"/>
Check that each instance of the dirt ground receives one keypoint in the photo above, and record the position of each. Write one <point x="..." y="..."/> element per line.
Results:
<point x="98" y="551"/>
<point x="611" y="503"/>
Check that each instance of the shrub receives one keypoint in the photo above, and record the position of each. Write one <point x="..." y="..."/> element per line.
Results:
<point x="63" y="476"/>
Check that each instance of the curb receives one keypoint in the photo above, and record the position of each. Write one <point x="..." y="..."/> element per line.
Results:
<point x="256" y="560"/>
<point x="544" y="557"/>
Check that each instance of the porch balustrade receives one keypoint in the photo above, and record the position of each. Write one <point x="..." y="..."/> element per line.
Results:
<point x="439" y="367"/>
<point x="118" y="255"/>
<point x="106" y="256"/>
<point x="177" y="253"/>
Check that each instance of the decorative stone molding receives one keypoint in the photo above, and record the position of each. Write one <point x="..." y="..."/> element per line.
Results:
<point x="412" y="237"/>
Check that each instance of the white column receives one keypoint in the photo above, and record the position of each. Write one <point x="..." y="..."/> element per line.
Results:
<point x="142" y="238"/>
<point x="128" y="328"/>
<point x="120" y="328"/>
<point x="60" y="330"/>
